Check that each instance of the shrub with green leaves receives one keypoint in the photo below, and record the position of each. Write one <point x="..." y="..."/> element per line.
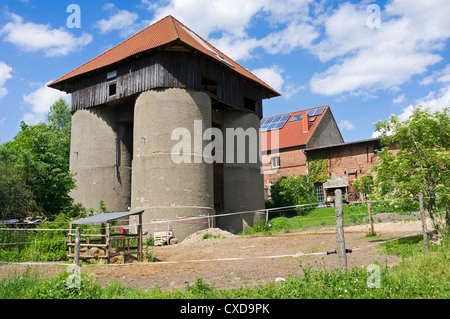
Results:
<point x="291" y="191"/>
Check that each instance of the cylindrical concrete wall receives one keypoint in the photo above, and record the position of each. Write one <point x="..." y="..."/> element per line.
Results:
<point x="100" y="160"/>
<point x="243" y="182"/>
<point x="163" y="188"/>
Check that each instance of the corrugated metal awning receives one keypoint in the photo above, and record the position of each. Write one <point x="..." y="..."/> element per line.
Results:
<point x="103" y="218"/>
<point x="336" y="182"/>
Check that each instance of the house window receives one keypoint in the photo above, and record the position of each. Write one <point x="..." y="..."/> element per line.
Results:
<point x="377" y="148"/>
<point x="111" y="75"/>
<point x="296" y="118"/>
<point x="275" y="161"/>
<point x="319" y="193"/>
<point x="112" y="89"/>
<point x="112" y="83"/>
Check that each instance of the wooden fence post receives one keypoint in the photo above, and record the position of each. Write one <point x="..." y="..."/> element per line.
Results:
<point x="76" y="259"/>
<point x="369" y="207"/>
<point x="108" y="242"/>
<point x="424" y="223"/>
<point x="340" y="241"/>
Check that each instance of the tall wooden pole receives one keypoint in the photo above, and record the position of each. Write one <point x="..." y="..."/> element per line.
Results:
<point x="140" y="237"/>
<point x="108" y="242"/>
<point x="340" y="241"/>
<point x="369" y="207"/>
<point x="424" y="223"/>
<point x="76" y="259"/>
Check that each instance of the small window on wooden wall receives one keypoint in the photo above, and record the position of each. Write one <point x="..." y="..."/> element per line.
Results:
<point x="112" y="83"/>
<point x="111" y="75"/>
<point x="250" y="104"/>
<point x="112" y="89"/>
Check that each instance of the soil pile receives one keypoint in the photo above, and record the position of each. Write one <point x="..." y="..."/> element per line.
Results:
<point x="206" y="235"/>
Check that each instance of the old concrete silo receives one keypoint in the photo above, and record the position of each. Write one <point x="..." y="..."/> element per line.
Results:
<point x="127" y="102"/>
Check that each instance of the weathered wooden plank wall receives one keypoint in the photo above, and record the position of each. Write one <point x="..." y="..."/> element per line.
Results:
<point x="169" y="69"/>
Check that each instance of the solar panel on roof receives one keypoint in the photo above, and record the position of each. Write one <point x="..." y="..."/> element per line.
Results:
<point x="319" y="111"/>
<point x="296" y="118"/>
<point x="274" y="122"/>
<point x="312" y="119"/>
<point x="278" y="125"/>
<point x="310" y="112"/>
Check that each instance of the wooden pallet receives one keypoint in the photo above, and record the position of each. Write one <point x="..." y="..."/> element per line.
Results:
<point x="163" y="237"/>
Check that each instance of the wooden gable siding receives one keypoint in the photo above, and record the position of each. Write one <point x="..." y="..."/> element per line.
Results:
<point x="169" y="69"/>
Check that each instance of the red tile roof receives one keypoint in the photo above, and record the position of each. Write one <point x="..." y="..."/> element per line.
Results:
<point x="163" y="32"/>
<point x="292" y="133"/>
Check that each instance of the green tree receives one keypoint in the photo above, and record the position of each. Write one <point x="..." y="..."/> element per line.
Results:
<point x="15" y="196"/>
<point x="291" y="191"/>
<point x="38" y="158"/>
<point x="59" y="116"/>
<point x="422" y="162"/>
<point x="364" y="184"/>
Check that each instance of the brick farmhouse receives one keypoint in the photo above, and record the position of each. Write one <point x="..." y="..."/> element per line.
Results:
<point x="314" y="133"/>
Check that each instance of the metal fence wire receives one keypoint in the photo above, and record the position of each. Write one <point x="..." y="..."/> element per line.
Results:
<point x="23" y="245"/>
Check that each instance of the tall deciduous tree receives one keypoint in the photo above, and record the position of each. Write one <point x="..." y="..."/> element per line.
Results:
<point x="38" y="158"/>
<point x="421" y="164"/>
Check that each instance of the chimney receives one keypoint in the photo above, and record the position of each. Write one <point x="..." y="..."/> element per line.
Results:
<point x="305" y="122"/>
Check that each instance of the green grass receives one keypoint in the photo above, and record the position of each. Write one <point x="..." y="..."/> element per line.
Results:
<point x="316" y="217"/>
<point x="419" y="275"/>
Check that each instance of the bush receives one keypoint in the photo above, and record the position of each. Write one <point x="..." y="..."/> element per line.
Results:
<point x="292" y="191"/>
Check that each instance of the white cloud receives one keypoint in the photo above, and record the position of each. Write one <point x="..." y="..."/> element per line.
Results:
<point x="32" y="37"/>
<point x="274" y="77"/>
<point x="360" y="59"/>
<point x="205" y="17"/>
<point x="123" y="21"/>
<point x="441" y="76"/>
<point x="373" y="59"/>
<point x="292" y="37"/>
<point x="235" y="48"/>
<point x="5" y="74"/>
<point x="399" y="99"/>
<point x="434" y="102"/>
<point x="224" y="23"/>
<point x="438" y="102"/>
<point x="346" y="125"/>
<point x="40" y="101"/>
<point x="375" y="134"/>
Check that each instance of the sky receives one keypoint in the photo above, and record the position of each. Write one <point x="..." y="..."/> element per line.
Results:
<point x="367" y="60"/>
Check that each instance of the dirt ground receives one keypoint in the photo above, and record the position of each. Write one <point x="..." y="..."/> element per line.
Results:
<point x="245" y="260"/>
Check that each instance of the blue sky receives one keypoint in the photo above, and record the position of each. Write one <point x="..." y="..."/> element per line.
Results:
<point x="365" y="65"/>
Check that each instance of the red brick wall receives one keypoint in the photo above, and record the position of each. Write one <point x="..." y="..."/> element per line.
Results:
<point x="352" y="160"/>
<point x="292" y="161"/>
